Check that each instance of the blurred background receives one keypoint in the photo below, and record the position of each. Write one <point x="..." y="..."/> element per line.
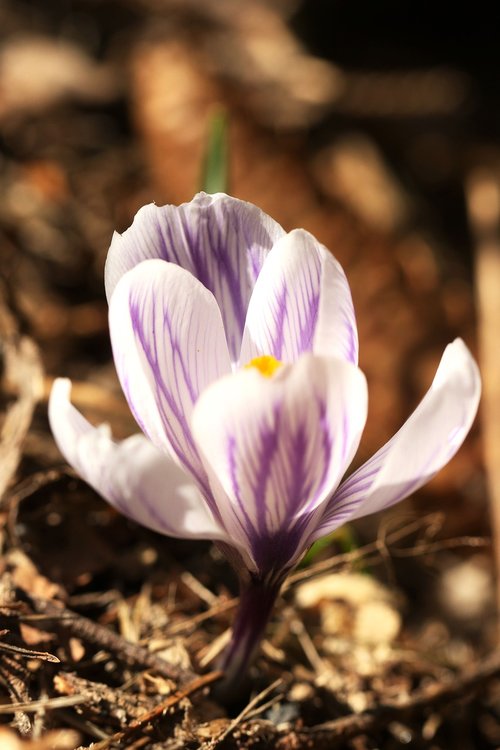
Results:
<point x="376" y="126"/>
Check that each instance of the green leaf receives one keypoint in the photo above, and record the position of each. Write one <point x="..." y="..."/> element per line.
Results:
<point x="215" y="164"/>
<point x="344" y="537"/>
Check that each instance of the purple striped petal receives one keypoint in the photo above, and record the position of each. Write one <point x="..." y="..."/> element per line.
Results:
<point x="133" y="476"/>
<point x="423" y="445"/>
<point x="301" y="303"/>
<point x="168" y="345"/>
<point x="222" y="241"/>
<point x="275" y="448"/>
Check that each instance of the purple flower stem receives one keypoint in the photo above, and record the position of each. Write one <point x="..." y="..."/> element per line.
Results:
<point x="257" y="600"/>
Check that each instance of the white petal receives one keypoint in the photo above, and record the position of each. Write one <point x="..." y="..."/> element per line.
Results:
<point x="423" y="445"/>
<point x="275" y="448"/>
<point x="220" y="240"/>
<point x="168" y="345"/>
<point x="132" y="475"/>
<point x="301" y="303"/>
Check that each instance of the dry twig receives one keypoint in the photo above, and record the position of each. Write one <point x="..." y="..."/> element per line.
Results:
<point x="130" y="653"/>
<point x="249" y="709"/>
<point x="45" y="703"/>
<point x="158" y="711"/>
<point x="23" y="372"/>
<point x="387" y="541"/>
<point x="103" y="701"/>
<point x="27" y="652"/>
<point x="332" y="732"/>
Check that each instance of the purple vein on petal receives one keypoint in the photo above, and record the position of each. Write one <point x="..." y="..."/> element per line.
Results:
<point x="280" y="478"/>
<point x="352" y="491"/>
<point x="359" y="483"/>
<point x="327" y="445"/>
<point x="363" y="479"/>
<point x="274" y="552"/>
<point x="310" y="296"/>
<point x="285" y="327"/>
<point x="268" y="450"/>
<point x="213" y="241"/>
<point x="155" y="514"/>
<point x="235" y="485"/>
<point x="350" y="338"/>
<point x="278" y="314"/>
<point x="126" y="507"/>
<point x="187" y="453"/>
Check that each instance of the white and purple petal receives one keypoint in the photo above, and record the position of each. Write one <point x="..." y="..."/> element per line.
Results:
<point x="301" y="303"/>
<point x="133" y="476"/>
<point x="222" y="241"/>
<point x="275" y="448"/>
<point x="424" y="444"/>
<point x="168" y="346"/>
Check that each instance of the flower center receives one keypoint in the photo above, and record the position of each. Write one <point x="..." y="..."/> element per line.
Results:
<point x="266" y="365"/>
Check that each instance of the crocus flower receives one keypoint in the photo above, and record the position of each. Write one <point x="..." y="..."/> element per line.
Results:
<point x="236" y="347"/>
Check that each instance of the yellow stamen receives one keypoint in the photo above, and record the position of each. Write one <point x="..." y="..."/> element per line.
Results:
<point x="266" y="365"/>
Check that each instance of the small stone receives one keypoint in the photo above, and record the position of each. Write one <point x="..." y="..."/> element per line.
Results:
<point x="466" y="589"/>
<point x="176" y="654"/>
<point x="352" y="588"/>
<point x="300" y="692"/>
<point x="376" y="623"/>
<point x="358" y="702"/>
<point x="336" y="619"/>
